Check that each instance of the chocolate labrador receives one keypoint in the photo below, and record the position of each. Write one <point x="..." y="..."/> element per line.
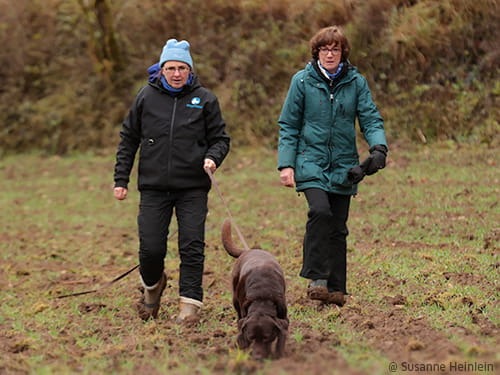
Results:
<point x="259" y="299"/>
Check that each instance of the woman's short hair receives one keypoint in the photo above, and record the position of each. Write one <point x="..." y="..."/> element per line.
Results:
<point x="330" y="35"/>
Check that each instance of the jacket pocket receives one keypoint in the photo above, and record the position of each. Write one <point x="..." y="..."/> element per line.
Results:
<point x="307" y="169"/>
<point x="153" y="158"/>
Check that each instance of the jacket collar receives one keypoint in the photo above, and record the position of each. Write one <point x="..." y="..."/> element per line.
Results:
<point x="195" y="83"/>
<point x="345" y="75"/>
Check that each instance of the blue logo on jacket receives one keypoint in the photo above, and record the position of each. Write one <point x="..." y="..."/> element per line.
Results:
<point x="195" y="103"/>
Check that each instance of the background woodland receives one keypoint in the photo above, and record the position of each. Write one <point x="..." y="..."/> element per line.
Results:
<point x="69" y="69"/>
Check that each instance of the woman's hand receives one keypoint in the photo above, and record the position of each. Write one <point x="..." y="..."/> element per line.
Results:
<point x="287" y="177"/>
<point x="120" y="193"/>
<point x="209" y="164"/>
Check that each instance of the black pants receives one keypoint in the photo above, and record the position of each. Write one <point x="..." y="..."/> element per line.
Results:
<point x="325" y="245"/>
<point x="155" y="213"/>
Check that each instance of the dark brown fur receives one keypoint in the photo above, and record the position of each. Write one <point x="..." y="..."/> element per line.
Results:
<point x="259" y="299"/>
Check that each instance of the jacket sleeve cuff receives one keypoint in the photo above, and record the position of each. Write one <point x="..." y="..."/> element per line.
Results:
<point x="381" y="148"/>
<point x="121" y="183"/>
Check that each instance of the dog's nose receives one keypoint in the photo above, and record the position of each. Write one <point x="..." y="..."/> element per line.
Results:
<point x="258" y="353"/>
<point x="257" y="356"/>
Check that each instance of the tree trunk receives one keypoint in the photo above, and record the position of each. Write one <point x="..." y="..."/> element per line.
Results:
<point x="103" y="45"/>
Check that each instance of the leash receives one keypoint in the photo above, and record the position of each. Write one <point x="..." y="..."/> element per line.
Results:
<point x="109" y="282"/>
<point x="214" y="183"/>
<point x="100" y="288"/>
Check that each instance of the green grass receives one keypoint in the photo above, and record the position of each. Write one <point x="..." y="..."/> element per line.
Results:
<point x="426" y="228"/>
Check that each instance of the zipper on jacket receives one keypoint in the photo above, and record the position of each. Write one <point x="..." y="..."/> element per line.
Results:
<point x="171" y="139"/>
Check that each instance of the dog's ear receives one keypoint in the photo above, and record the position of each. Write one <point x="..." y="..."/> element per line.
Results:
<point x="242" y="339"/>
<point x="282" y="327"/>
<point x="281" y="310"/>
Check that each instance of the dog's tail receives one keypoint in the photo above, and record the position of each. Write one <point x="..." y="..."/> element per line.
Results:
<point x="227" y="240"/>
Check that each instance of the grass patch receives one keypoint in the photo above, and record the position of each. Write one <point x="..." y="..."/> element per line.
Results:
<point x="425" y="228"/>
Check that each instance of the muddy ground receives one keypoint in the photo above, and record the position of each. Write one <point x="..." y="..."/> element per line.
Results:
<point x="386" y="315"/>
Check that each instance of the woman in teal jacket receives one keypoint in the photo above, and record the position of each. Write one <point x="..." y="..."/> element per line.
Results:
<point x="317" y="153"/>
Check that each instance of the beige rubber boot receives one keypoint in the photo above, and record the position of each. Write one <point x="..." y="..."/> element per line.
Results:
<point x="149" y="304"/>
<point x="189" y="309"/>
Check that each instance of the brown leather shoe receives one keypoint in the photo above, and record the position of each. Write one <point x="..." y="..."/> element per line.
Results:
<point x="336" y="298"/>
<point x="317" y="290"/>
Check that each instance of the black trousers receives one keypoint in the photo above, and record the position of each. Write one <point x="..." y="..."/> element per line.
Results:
<point x="155" y="213"/>
<point x="325" y="244"/>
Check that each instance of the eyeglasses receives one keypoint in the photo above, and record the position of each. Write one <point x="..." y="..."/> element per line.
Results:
<point x="173" y="69"/>
<point x="334" y="50"/>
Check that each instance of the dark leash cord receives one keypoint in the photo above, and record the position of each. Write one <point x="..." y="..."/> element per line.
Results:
<point x="233" y="222"/>
<point x="102" y="287"/>
<point x="108" y="283"/>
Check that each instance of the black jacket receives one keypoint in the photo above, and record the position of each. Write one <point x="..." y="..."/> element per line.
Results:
<point x="175" y="134"/>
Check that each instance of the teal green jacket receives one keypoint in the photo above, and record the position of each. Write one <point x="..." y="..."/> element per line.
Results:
<point x="317" y="136"/>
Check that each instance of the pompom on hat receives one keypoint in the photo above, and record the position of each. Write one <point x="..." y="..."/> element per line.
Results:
<point x="176" y="51"/>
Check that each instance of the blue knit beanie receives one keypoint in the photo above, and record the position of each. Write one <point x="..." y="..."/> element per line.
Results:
<point x="176" y="51"/>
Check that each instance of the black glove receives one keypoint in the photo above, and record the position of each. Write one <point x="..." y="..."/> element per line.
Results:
<point x="358" y="172"/>
<point x="378" y="154"/>
<point x="355" y="174"/>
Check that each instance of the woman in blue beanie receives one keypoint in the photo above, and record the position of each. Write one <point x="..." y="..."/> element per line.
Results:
<point x="178" y="127"/>
<point x="317" y="154"/>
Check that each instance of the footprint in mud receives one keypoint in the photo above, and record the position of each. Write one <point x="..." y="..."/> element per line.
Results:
<point x="85" y="308"/>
